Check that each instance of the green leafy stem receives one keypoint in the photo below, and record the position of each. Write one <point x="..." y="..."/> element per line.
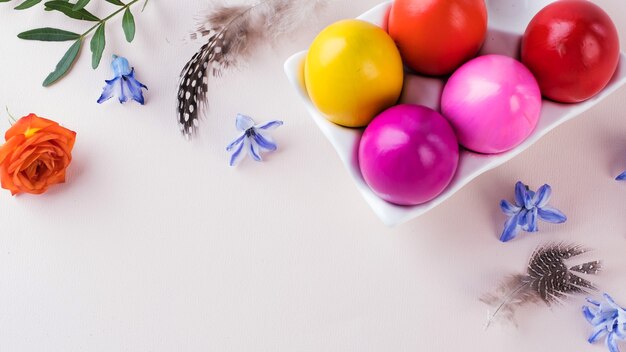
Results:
<point x="77" y="11"/>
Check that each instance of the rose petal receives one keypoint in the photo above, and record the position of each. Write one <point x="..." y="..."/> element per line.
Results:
<point x="6" y="181"/>
<point x="23" y="182"/>
<point x="19" y="159"/>
<point x="57" y="178"/>
<point x="7" y="148"/>
<point x="31" y="121"/>
<point x="65" y="147"/>
<point x="34" y="140"/>
<point x="69" y="136"/>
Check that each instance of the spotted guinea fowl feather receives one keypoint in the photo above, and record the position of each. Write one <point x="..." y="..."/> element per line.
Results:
<point x="547" y="279"/>
<point x="232" y="33"/>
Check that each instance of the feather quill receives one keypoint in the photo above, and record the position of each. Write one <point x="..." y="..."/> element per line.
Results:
<point x="233" y="33"/>
<point x="547" y="279"/>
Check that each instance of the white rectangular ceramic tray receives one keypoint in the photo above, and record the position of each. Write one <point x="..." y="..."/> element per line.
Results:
<point x="503" y="37"/>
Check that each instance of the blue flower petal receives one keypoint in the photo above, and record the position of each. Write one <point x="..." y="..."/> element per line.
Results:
<point x="265" y="142"/>
<point x="621" y="176"/>
<point x="604" y="317"/>
<point x="611" y="344"/>
<point x="531" y="220"/>
<point x="587" y="313"/>
<point x="235" y="142"/>
<point x="254" y="150"/>
<point x="541" y="198"/>
<point x="244" y="122"/>
<point x="611" y="301"/>
<point x="522" y="220"/>
<point x="270" y="125"/>
<point x="551" y="215"/>
<point x="621" y="322"/>
<point x="130" y="91"/>
<point x="107" y="91"/>
<point x="511" y="228"/>
<point x="120" y="66"/>
<point x="122" y="89"/>
<point x="520" y="194"/>
<point x="134" y="87"/>
<point x="508" y="208"/>
<point x="132" y="75"/>
<point x="597" y="333"/>
<point x="593" y="301"/>
<point x="238" y="154"/>
<point x="621" y="332"/>
<point x="528" y="199"/>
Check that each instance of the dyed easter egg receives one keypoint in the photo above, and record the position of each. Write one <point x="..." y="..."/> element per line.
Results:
<point x="572" y="48"/>
<point x="352" y="72"/>
<point x="408" y="154"/>
<point x="437" y="36"/>
<point x="493" y="103"/>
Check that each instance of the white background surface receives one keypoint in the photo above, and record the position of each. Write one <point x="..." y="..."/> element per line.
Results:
<point x="155" y="244"/>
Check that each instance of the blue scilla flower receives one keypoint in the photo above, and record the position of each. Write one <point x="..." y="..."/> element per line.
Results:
<point x="607" y="319"/>
<point x="527" y="208"/>
<point x="124" y="85"/>
<point x="621" y="177"/>
<point x="252" y="140"/>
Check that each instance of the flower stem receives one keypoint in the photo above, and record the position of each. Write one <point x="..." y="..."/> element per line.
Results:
<point x="12" y="119"/>
<point x="108" y="18"/>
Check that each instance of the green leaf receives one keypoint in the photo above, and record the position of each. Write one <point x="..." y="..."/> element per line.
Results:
<point x="97" y="45"/>
<point x="68" y="9"/>
<point x="80" y="4"/>
<point x="128" y="24"/>
<point x="116" y="2"/>
<point x="27" y="4"/>
<point x="48" y="35"/>
<point x="5" y="0"/>
<point x="65" y="64"/>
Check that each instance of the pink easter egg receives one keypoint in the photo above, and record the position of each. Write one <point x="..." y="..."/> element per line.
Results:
<point x="493" y="103"/>
<point x="408" y="154"/>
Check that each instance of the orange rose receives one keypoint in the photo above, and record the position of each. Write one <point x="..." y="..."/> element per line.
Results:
<point x="35" y="156"/>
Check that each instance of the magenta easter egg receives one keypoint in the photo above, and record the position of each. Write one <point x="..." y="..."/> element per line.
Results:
<point x="493" y="103"/>
<point x="408" y="154"/>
